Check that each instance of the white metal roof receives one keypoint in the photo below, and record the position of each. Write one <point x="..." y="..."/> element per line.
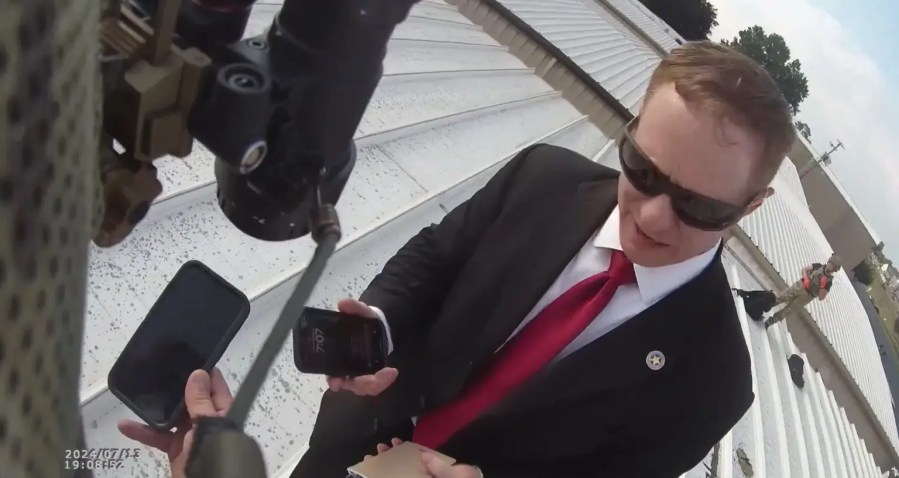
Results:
<point x="790" y="184"/>
<point x="596" y="40"/>
<point x="453" y="106"/>
<point x="646" y="21"/>
<point x="787" y="234"/>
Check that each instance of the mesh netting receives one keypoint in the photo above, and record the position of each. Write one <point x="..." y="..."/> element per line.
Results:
<point x="49" y="104"/>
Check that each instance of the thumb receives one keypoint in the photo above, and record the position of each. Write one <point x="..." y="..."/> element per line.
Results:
<point x="198" y="395"/>
<point x="352" y="306"/>
<point x="436" y="467"/>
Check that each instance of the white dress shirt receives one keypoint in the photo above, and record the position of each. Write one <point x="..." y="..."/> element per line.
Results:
<point x="653" y="284"/>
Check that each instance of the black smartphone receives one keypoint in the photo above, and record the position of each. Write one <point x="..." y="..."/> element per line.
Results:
<point x="340" y="345"/>
<point x="188" y="328"/>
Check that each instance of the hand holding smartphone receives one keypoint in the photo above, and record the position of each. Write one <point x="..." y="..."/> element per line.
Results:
<point x="349" y="345"/>
<point x="188" y="328"/>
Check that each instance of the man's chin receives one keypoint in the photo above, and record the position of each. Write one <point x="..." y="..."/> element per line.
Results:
<point x="649" y="254"/>
<point x="648" y="259"/>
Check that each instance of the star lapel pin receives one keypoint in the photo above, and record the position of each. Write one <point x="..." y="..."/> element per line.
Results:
<point x="655" y="360"/>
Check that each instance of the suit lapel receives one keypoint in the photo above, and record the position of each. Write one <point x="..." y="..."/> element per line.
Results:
<point x="620" y="358"/>
<point x="561" y="228"/>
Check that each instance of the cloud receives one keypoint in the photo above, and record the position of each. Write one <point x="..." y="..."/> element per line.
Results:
<point x="850" y="99"/>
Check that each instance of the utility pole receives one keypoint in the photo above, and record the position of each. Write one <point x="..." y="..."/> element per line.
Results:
<point x="825" y="158"/>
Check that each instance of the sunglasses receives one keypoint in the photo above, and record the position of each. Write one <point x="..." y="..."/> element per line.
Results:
<point x="692" y="208"/>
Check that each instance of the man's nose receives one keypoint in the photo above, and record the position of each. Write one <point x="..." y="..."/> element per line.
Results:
<point x="656" y="214"/>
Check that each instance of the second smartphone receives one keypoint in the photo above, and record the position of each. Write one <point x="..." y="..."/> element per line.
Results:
<point x="188" y="328"/>
<point x="333" y="343"/>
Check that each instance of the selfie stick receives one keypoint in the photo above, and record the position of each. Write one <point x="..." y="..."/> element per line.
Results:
<point x="326" y="57"/>
<point x="221" y="449"/>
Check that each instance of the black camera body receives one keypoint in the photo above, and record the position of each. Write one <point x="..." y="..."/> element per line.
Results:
<point x="280" y="110"/>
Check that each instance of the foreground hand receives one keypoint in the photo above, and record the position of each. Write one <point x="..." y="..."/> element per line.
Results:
<point x="434" y="466"/>
<point x="204" y="396"/>
<point x="382" y="447"/>
<point x="438" y="468"/>
<point x="364" y="384"/>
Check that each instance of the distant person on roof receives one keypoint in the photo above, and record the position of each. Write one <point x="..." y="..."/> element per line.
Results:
<point x="815" y="282"/>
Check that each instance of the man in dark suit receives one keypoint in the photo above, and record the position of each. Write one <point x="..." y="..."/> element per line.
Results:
<point x="567" y="322"/>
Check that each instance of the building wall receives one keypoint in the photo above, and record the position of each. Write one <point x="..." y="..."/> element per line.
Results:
<point x="844" y="229"/>
<point x="847" y="238"/>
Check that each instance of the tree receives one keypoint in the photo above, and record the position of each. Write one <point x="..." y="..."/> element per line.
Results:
<point x="772" y="52"/>
<point x="864" y="273"/>
<point x="804" y="130"/>
<point x="692" y="19"/>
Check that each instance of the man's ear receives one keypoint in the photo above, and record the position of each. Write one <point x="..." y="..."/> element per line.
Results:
<point x="759" y="199"/>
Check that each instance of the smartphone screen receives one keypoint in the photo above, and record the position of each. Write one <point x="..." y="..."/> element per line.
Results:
<point x="188" y="328"/>
<point x="337" y="344"/>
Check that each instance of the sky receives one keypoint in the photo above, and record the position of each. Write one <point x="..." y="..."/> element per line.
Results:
<point x="849" y="50"/>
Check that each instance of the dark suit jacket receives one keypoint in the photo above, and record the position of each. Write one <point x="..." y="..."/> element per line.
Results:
<point x="457" y="290"/>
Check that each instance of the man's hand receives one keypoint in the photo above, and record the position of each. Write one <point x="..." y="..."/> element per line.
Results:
<point x="204" y="396"/>
<point x="435" y="467"/>
<point x="364" y="384"/>
<point x="438" y="468"/>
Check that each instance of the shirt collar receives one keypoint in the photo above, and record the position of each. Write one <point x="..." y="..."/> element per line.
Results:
<point x="654" y="283"/>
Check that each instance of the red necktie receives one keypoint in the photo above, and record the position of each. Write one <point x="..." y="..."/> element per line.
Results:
<point x="534" y="346"/>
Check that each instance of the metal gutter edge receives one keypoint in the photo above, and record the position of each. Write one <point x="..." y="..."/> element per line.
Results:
<point x="556" y="53"/>
<point x="808" y="321"/>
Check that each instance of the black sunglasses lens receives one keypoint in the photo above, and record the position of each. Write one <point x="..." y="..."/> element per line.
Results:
<point x="704" y="213"/>
<point x="639" y="170"/>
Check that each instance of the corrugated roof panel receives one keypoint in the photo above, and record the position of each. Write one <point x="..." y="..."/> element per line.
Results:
<point x="768" y="440"/>
<point x="646" y="21"/>
<point x="788" y="236"/>
<point x="555" y="10"/>
<point x="580" y="137"/>
<point x="614" y="20"/>
<point x="790" y="183"/>
<point x="596" y="40"/>
<point x="832" y="428"/>
<point x="767" y="452"/>
<point x="452" y="108"/>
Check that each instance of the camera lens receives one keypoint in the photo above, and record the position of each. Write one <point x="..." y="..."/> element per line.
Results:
<point x="271" y="205"/>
